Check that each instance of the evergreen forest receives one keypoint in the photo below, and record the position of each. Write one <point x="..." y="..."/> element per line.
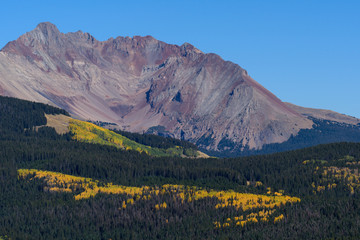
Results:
<point x="54" y="187"/>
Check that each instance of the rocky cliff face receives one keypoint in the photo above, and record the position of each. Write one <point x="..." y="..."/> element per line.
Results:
<point x="140" y="82"/>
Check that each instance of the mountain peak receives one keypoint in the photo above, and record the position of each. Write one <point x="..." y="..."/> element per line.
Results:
<point x="140" y="83"/>
<point x="47" y="26"/>
<point x="44" y="33"/>
<point x="132" y="82"/>
<point x="47" y="29"/>
<point x="188" y="47"/>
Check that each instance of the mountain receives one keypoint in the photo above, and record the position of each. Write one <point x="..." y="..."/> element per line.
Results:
<point x="142" y="84"/>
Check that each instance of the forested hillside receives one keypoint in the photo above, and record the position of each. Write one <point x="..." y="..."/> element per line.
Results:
<point x="17" y="115"/>
<point x="131" y="195"/>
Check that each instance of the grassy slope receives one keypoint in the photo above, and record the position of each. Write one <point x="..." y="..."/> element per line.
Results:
<point x="91" y="133"/>
<point x="60" y="122"/>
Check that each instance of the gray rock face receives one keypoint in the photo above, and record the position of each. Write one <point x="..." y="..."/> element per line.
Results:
<point x="141" y="82"/>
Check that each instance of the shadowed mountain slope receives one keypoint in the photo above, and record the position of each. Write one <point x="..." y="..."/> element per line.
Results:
<point x="140" y="83"/>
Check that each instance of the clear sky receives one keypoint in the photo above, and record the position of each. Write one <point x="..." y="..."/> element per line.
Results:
<point x="305" y="52"/>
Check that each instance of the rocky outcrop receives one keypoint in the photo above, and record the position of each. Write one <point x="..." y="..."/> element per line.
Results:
<point x="140" y="82"/>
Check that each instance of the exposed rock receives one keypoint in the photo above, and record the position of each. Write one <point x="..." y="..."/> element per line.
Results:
<point x="141" y="82"/>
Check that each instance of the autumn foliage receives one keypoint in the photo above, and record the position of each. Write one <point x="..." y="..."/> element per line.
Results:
<point x="90" y="188"/>
<point x="91" y="133"/>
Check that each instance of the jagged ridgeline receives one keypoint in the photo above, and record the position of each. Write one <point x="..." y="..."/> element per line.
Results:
<point x="149" y="85"/>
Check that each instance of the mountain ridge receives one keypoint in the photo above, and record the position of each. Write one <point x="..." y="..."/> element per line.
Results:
<point x="141" y="82"/>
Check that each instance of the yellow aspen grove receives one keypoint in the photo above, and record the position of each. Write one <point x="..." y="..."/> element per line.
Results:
<point x="91" y="133"/>
<point x="64" y="182"/>
<point x="331" y="175"/>
<point x="245" y="201"/>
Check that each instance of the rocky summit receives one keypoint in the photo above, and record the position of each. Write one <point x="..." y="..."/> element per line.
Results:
<point x="143" y="84"/>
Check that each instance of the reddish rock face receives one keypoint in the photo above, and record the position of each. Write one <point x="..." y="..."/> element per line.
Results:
<point x="141" y="82"/>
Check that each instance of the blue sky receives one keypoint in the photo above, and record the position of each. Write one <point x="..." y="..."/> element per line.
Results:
<point x="305" y="52"/>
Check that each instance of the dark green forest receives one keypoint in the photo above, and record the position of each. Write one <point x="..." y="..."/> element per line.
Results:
<point x="28" y="211"/>
<point x="156" y="141"/>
